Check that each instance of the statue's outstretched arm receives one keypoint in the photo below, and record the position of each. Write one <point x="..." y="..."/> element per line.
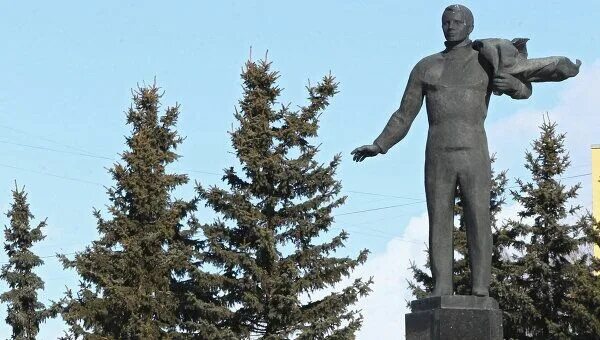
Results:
<point x="399" y="124"/>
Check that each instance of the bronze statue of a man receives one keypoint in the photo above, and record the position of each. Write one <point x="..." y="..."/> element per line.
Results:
<point x="456" y="84"/>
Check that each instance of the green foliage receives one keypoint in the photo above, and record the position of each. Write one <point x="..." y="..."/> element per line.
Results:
<point x="132" y="276"/>
<point x="270" y="264"/>
<point x="553" y="280"/>
<point x="25" y="312"/>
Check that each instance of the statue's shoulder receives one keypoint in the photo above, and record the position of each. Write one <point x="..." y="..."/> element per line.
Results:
<point x="428" y="61"/>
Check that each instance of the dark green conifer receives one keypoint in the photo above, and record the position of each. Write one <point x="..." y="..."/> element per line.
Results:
<point x="130" y="277"/>
<point x="275" y="265"/>
<point x="553" y="280"/>
<point x="25" y="311"/>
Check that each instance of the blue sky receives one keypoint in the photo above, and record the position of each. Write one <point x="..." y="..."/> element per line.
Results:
<point x="68" y="68"/>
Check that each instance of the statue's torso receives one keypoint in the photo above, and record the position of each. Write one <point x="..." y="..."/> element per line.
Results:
<point x="456" y="85"/>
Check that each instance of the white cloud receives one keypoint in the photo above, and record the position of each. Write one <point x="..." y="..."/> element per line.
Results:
<point x="384" y="308"/>
<point x="510" y="212"/>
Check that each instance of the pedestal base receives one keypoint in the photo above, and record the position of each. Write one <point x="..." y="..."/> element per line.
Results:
<point x="452" y="317"/>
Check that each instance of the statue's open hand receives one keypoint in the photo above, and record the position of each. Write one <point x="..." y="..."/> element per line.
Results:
<point x="365" y="151"/>
<point x="505" y="83"/>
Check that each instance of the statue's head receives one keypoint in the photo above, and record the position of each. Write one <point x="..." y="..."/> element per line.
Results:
<point x="457" y="23"/>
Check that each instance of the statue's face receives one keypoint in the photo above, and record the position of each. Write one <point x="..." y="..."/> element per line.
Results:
<point x="455" y="26"/>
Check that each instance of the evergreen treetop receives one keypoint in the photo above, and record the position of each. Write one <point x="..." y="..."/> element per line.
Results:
<point x="25" y="311"/>
<point x="144" y="249"/>
<point x="270" y="249"/>
<point x="560" y="293"/>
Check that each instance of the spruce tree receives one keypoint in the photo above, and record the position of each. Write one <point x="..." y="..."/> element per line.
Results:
<point x="25" y="311"/>
<point x="270" y="249"/>
<point x="130" y="278"/>
<point x="553" y="270"/>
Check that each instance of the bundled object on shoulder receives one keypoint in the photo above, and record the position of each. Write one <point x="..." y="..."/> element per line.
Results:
<point x="511" y="57"/>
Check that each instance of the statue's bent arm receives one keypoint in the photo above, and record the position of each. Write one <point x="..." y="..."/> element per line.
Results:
<point x="523" y="92"/>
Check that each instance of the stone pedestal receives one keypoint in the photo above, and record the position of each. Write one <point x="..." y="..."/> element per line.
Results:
<point x="452" y="317"/>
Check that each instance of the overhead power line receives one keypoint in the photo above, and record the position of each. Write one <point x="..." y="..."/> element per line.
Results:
<point x="47" y="256"/>
<point x="78" y="152"/>
<point x="202" y="172"/>
<point x="84" y="153"/>
<point x="575" y="176"/>
<point x="43" y="138"/>
<point x="380" y="208"/>
<point x="51" y="175"/>
<point x="382" y="195"/>
<point x="55" y="150"/>
<point x="566" y="177"/>
<point x="386" y="236"/>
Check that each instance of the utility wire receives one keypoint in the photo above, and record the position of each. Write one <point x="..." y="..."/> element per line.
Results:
<point x="387" y="237"/>
<point x="342" y="214"/>
<point x="423" y="201"/>
<point x="566" y="177"/>
<point x="85" y="153"/>
<point x="380" y="208"/>
<point x="575" y="176"/>
<point x="47" y="256"/>
<point x="381" y="235"/>
<point x="51" y="175"/>
<point x="55" y="150"/>
<point x="81" y="152"/>
<point x="202" y="172"/>
<point x="43" y="138"/>
<point x="382" y="195"/>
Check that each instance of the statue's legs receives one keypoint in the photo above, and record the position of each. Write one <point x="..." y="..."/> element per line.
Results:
<point x="440" y="188"/>
<point x="475" y="182"/>
<point x="471" y="169"/>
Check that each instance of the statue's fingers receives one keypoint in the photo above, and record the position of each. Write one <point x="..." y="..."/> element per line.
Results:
<point x="500" y="83"/>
